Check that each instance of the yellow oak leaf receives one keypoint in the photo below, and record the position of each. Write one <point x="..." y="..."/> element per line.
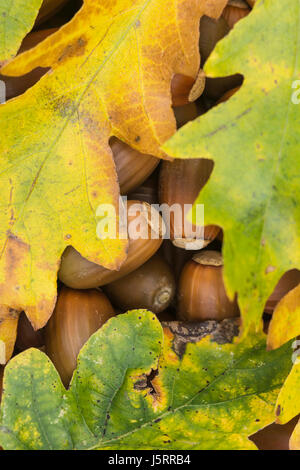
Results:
<point x="110" y="74"/>
<point x="295" y="438"/>
<point x="288" y="404"/>
<point x="285" y="323"/>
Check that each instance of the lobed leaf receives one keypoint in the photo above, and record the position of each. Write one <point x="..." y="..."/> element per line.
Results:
<point x="285" y="322"/>
<point x="110" y="76"/>
<point x="253" y="138"/>
<point x="16" y="20"/>
<point x="138" y="386"/>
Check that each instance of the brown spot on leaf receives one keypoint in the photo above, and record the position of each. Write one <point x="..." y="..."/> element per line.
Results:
<point x="76" y="49"/>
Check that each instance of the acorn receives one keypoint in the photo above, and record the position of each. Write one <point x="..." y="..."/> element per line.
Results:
<point x="16" y="86"/>
<point x="77" y="315"/>
<point x="185" y="114"/>
<point x="148" y="191"/>
<point x="79" y="273"/>
<point x="180" y="182"/>
<point x="211" y="31"/>
<point x="151" y="286"/>
<point x="228" y="95"/>
<point x="165" y="316"/>
<point x="27" y="337"/>
<point x="133" y="167"/>
<point x="181" y="86"/>
<point x="201" y="291"/>
<point x="275" y="436"/>
<point x="217" y="87"/>
<point x="289" y="281"/>
<point x="48" y="9"/>
<point x="235" y="11"/>
<point x="251" y="3"/>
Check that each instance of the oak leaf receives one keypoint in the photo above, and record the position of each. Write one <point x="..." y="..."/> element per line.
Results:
<point x="254" y="140"/>
<point x="138" y="386"/>
<point x="16" y="20"/>
<point x="111" y="69"/>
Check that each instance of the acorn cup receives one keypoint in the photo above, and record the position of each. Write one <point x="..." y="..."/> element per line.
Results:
<point x="79" y="273"/>
<point x="77" y="315"/>
<point x="151" y="286"/>
<point x="289" y="281"/>
<point x="27" y="337"/>
<point x="133" y="167"/>
<point x="179" y="185"/>
<point x="235" y="11"/>
<point x="201" y="291"/>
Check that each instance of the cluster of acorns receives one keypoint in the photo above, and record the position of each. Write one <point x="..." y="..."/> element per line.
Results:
<point x="163" y="276"/>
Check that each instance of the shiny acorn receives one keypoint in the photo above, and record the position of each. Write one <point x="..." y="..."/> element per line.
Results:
<point x="148" y="191"/>
<point x="133" y="167"/>
<point x="180" y="182"/>
<point x="185" y="114"/>
<point x="289" y="281"/>
<point x="77" y="315"/>
<point x="152" y="286"/>
<point x="79" y="273"/>
<point x="27" y="337"/>
<point x="201" y="291"/>
<point x="211" y="31"/>
<point x="235" y="11"/>
<point x="181" y="86"/>
<point x="275" y="436"/>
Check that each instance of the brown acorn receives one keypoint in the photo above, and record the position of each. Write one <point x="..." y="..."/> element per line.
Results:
<point x="27" y="337"/>
<point x="201" y="292"/>
<point x="275" y="436"/>
<point x="185" y="114"/>
<point x="180" y="182"/>
<point x="152" y="286"/>
<point x="148" y="191"/>
<point x="211" y="31"/>
<point x="228" y="95"/>
<point x="79" y="273"/>
<point x="235" y="11"/>
<point x="77" y="315"/>
<point x="165" y="316"/>
<point x="133" y="167"/>
<point x="289" y="281"/>
<point x="251" y="3"/>
<point x="181" y="87"/>
<point x="16" y="86"/>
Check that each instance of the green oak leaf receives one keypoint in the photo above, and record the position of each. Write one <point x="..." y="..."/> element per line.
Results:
<point x="16" y="20"/>
<point x="254" y="141"/>
<point x="139" y="386"/>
